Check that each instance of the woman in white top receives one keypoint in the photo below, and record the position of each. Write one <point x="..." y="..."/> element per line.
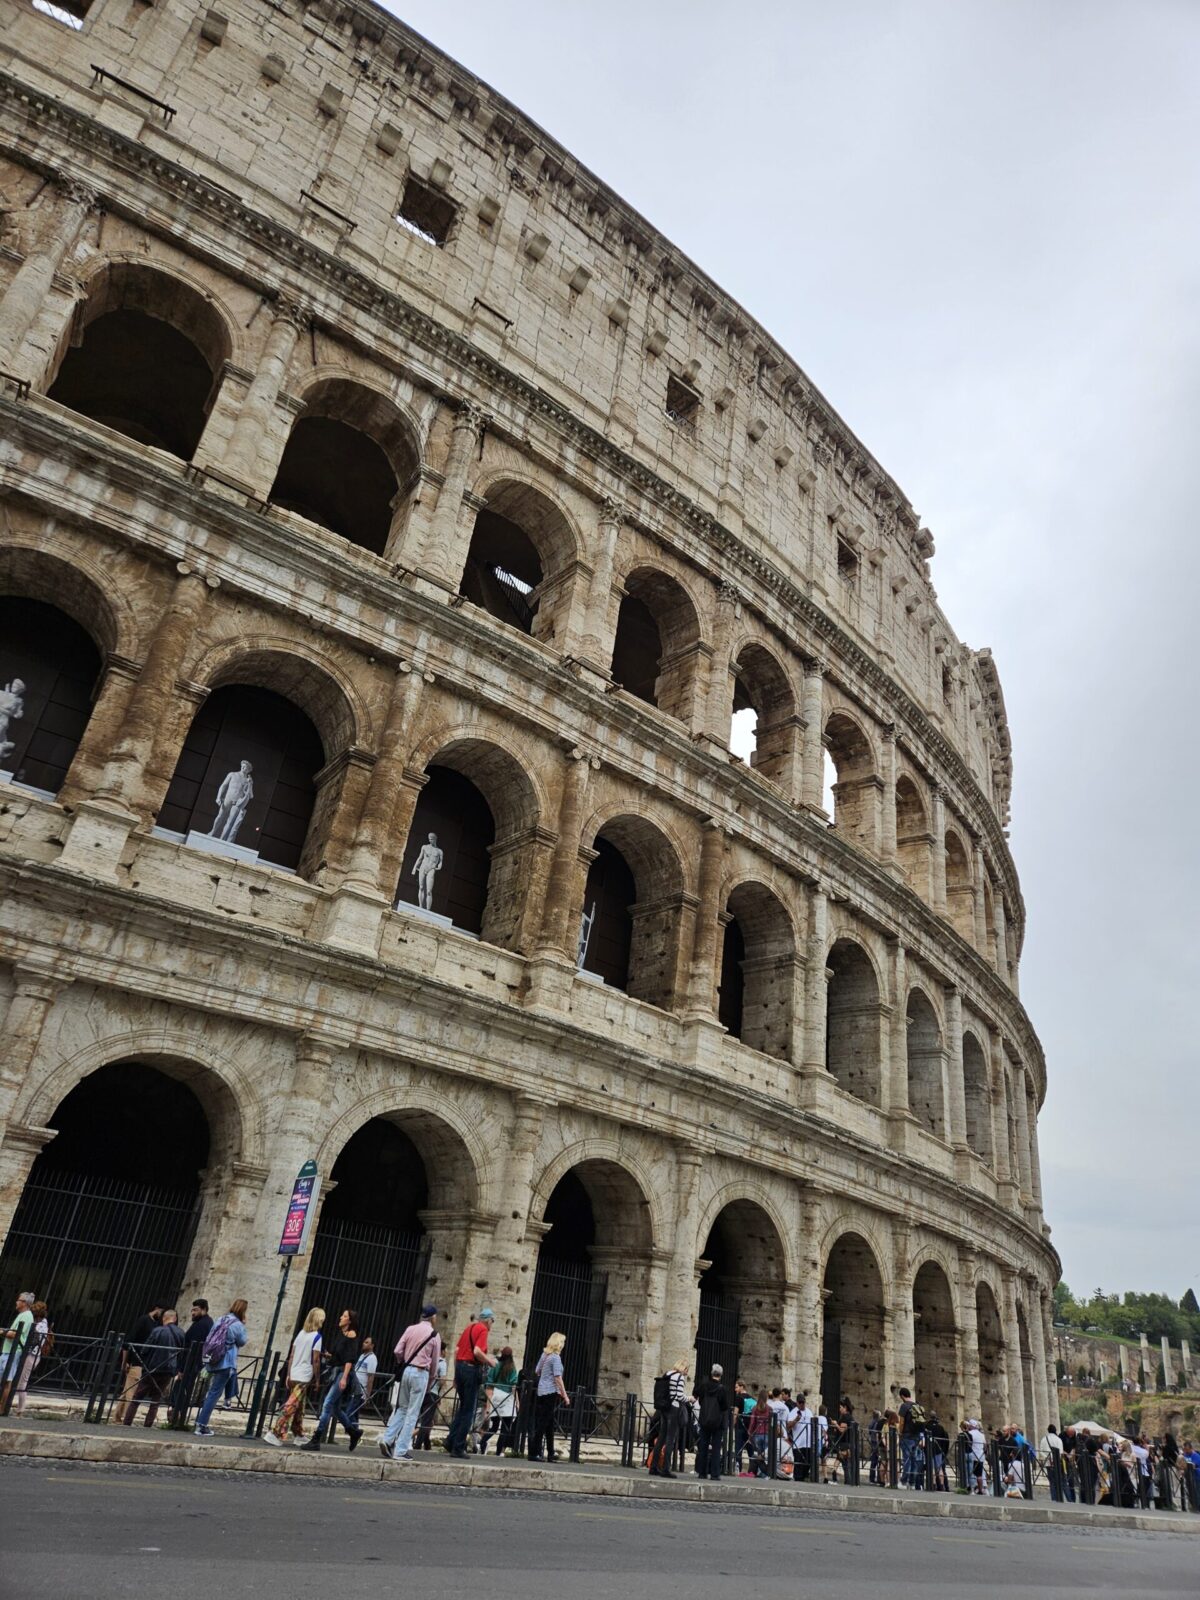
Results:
<point x="304" y="1363"/>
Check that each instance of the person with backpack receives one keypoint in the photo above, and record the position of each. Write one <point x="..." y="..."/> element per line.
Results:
<point x="225" y="1339"/>
<point x="714" y="1408"/>
<point x="550" y="1390"/>
<point x="912" y="1429"/>
<point x="418" y="1351"/>
<point x="669" y="1390"/>
<point x="303" y="1367"/>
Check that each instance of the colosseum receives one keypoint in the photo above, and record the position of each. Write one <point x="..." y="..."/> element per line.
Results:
<point x="473" y="715"/>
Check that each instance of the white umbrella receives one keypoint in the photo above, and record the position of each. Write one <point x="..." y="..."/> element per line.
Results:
<point x="1096" y="1427"/>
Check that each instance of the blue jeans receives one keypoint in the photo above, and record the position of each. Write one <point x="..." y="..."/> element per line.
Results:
<point x="399" y="1430"/>
<point x="339" y="1403"/>
<point x="910" y="1451"/>
<point x="216" y="1388"/>
<point x="468" y="1375"/>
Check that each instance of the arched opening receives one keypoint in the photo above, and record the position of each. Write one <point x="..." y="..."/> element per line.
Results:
<point x="993" y="1389"/>
<point x="758" y="970"/>
<point x="105" y="1224"/>
<point x="856" y="790"/>
<point x="592" y="1277"/>
<point x="147" y="360"/>
<point x="517" y="566"/>
<point x="960" y="898"/>
<point x="633" y="942"/>
<point x="478" y="803"/>
<point x="853" y="1343"/>
<point x="741" y="1297"/>
<point x="764" y="720"/>
<point x="852" y="1022"/>
<point x="346" y="460"/>
<point x="914" y="840"/>
<point x="245" y="782"/>
<point x="977" y="1097"/>
<point x="49" y="667"/>
<point x="654" y="652"/>
<point x="935" y="1345"/>
<point x="926" y="1065"/>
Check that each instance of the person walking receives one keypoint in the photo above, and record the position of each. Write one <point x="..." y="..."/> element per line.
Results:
<point x="550" y="1390"/>
<point x="365" y="1369"/>
<point x="418" y="1352"/>
<point x="131" y="1356"/>
<point x="303" y="1370"/>
<point x="713" y="1400"/>
<point x="341" y="1354"/>
<point x="225" y="1339"/>
<point x="471" y="1365"/>
<point x="501" y="1387"/>
<point x="194" y="1335"/>
<point x="912" y="1426"/>
<point x="669" y="1390"/>
<point x="161" y="1356"/>
<point x="37" y="1344"/>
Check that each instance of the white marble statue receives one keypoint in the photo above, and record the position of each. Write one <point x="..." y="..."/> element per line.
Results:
<point x="233" y="798"/>
<point x="425" y="869"/>
<point x="12" y="709"/>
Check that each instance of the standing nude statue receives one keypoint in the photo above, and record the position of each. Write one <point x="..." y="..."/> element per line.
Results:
<point x="233" y="797"/>
<point x="425" y="869"/>
<point x="12" y="709"/>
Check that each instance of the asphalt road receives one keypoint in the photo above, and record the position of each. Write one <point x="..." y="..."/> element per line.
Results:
<point x="71" y="1532"/>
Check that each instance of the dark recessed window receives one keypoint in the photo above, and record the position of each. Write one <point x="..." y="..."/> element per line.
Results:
<point x="682" y="402"/>
<point x="847" y="560"/>
<point x="426" y="212"/>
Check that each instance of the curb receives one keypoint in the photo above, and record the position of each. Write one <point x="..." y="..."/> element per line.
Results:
<point x="96" y="1448"/>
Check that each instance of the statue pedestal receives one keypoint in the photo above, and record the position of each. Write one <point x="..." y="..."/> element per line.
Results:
<point x="221" y="847"/>
<point x="96" y="838"/>
<point x="352" y="919"/>
<point x="6" y="777"/>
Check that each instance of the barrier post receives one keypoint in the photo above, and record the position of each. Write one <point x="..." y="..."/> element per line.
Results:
<point x="577" y="1400"/>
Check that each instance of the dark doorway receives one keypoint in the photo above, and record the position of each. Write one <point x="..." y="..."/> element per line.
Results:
<point x="637" y="650"/>
<point x="608" y="897"/>
<point x="107" y="1217"/>
<point x="452" y="808"/>
<point x="58" y="664"/>
<point x="733" y="982"/>
<point x="337" y="476"/>
<point x="568" y="1296"/>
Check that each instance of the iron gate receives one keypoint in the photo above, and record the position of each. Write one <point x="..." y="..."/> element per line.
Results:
<point x="568" y="1297"/>
<point x="831" y="1364"/>
<point x="100" y="1251"/>
<point x="376" y="1270"/>
<point x="718" y="1334"/>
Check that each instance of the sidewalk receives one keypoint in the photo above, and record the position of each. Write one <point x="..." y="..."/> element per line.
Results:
<point x="138" y="1446"/>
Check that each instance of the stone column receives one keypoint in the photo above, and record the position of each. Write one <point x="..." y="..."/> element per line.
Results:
<point x="597" y="643"/>
<point x="887" y="798"/>
<point x="898" y="1106"/>
<point x="956" y="1102"/>
<point x="444" y="554"/>
<point x="980" y="906"/>
<point x="1148" y="1367"/>
<point x="809" y="1306"/>
<point x="376" y="825"/>
<point x="103" y="724"/>
<point x="1035" y="1164"/>
<point x="30" y="286"/>
<point x="1039" y="1349"/>
<point x="816" y="983"/>
<point x="20" y="1147"/>
<point x="938" y="850"/>
<point x="998" y="1099"/>
<point x="1001" y="931"/>
<point x="245" y="458"/>
<point x="1012" y="1347"/>
<point x="559" y="935"/>
<point x="812" y="706"/>
<point x="718" y="701"/>
<point x="35" y="990"/>
<point x="702" y="972"/>
<point x="1021" y="1106"/>
<point x="1047" y="1322"/>
<point x="968" y="1333"/>
<point x="678" y="1329"/>
<point x="903" y="1364"/>
<point x="1168" y="1373"/>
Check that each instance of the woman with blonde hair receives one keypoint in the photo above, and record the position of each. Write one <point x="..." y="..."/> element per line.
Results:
<point x="550" y="1390"/>
<point x="304" y="1363"/>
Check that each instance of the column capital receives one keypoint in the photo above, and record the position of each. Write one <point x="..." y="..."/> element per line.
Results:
<point x="288" y="307"/>
<point x="36" y="979"/>
<point x="470" y="417"/>
<point x="76" y="191"/>
<point x="613" y="512"/>
<point x="814" y="666"/>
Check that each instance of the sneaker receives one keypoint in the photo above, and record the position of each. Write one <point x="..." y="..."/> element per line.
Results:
<point x="404" y="1459"/>
<point x="203" y="1433"/>
<point x="272" y="1438"/>
<point x="385" y="1450"/>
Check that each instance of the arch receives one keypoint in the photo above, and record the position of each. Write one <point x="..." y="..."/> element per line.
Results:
<point x="764" y="700"/>
<point x="484" y="808"/>
<point x="75" y="585"/>
<point x="758" y="968"/>
<point x="856" y="788"/>
<point x="993" y="1385"/>
<point x="611" y="1153"/>
<point x="147" y="356"/>
<point x="49" y="674"/>
<point x="937" y="1366"/>
<point x="926" y="1065"/>
<point x="977" y="1097"/>
<point x="634" y="945"/>
<point x="853" y="1335"/>
<point x="522" y="550"/>
<point x="348" y="457"/>
<point x="740" y="1325"/>
<point x="960" y="895"/>
<point x="914" y="836"/>
<point x="315" y="683"/>
<point x="853" y="1020"/>
<point x="655" y="647"/>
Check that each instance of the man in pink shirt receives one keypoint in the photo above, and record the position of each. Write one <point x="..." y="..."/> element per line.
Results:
<point x="417" y="1357"/>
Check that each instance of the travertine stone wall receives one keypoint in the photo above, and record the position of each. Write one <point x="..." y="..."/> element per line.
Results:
<point x="241" y="185"/>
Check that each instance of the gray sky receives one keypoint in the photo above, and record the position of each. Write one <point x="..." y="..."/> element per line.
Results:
<point x="976" y="227"/>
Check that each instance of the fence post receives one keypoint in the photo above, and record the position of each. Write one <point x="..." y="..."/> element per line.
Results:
<point x="1027" y="1471"/>
<point x="627" y="1425"/>
<point x="853" y="1473"/>
<point x="773" y="1447"/>
<point x="997" y="1471"/>
<point x="727" y="1444"/>
<point x="893" y="1450"/>
<point x="113" y="1343"/>
<point x="576" y="1423"/>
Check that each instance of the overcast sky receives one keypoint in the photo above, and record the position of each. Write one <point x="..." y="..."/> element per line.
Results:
<point x="976" y="228"/>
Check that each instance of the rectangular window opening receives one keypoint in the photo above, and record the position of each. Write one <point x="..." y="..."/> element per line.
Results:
<point x="682" y="402"/>
<point x="425" y="212"/>
<point x="70" y="12"/>
<point x="847" y="560"/>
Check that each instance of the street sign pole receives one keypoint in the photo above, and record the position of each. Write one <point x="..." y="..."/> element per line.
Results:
<point x="297" y="1226"/>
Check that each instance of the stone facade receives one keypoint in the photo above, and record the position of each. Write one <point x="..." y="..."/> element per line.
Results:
<point x="347" y="233"/>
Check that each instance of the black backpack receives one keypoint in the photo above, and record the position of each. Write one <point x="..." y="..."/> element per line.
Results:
<point x="662" y="1392"/>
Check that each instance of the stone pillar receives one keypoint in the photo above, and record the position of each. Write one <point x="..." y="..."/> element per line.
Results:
<point x="20" y="1147"/>
<point x="1168" y="1373"/>
<point x="104" y="723"/>
<point x="809" y="1307"/>
<point x="968" y="1334"/>
<point x="938" y="849"/>
<point x="1021" y="1107"/>
<point x="30" y="286"/>
<point x="1001" y="931"/>
<point x="1039" y="1350"/>
<point x="1185" y="1361"/>
<point x="1148" y="1367"/>
<point x="702" y="972"/>
<point x="898" y="1106"/>
<point x="887" y="799"/>
<point x="956" y="1104"/>
<point x="812" y="710"/>
<point x="1012" y="1348"/>
<point x="902" y="1367"/>
<point x="980" y="905"/>
<point x="1035" y="1164"/>
<point x="597" y="641"/>
<point x="718" y="701"/>
<point x="245" y="458"/>
<point x="444" y="554"/>
<point x="559" y="935"/>
<point x="998" y="1088"/>
<point x="816" y="983"/>
<point x="377" y="824"/>
<point x="1047" y="1322"/>
<point x="678" y="1328"/>
<point x="35" y="990"/>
